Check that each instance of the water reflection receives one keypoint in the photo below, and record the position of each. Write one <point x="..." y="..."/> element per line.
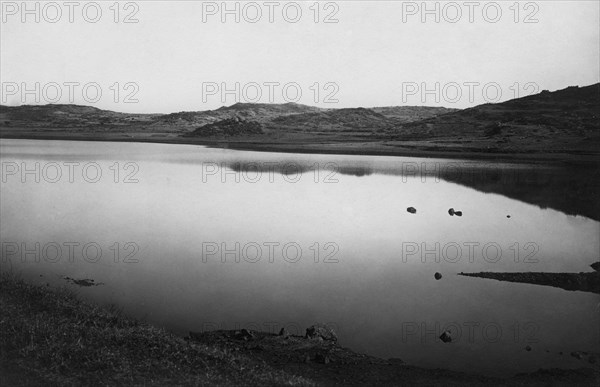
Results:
<point x="379" y="289"/>
<point x="570" y="189"/>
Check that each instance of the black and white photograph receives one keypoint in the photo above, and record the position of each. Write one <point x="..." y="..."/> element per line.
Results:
<point x="300" y="193"/>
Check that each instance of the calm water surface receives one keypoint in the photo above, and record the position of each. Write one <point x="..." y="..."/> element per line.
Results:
<point x="322" y="238"/>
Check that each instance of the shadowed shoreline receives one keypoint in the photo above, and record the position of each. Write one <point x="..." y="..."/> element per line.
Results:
<point x="585" y="282"/>
<point x="54" y="338"/>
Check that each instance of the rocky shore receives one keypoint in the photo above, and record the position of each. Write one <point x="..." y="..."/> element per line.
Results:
<point x="49" y="337"/>
<point x="585" y="282"/>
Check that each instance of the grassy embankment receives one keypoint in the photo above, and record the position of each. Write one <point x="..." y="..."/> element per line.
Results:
<point x="49" y="337"/>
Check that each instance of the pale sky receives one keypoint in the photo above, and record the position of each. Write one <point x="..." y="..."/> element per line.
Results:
<point x="378" y="53"/>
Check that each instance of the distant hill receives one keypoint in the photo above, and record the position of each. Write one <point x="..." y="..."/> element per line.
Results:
<point x="66" y="116"/>
<point x="405" y="114"/>
<point x="229" y="127"/>
<point x="561" y="122"/>
<point x="274" y="118"/>
<point x="554" y="121"/>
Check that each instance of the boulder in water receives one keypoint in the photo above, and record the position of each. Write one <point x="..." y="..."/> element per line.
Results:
<point x="446" y="337"/>
<point x="412" y="210"/>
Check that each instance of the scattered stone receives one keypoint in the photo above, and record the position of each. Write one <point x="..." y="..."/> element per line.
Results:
<point x="322" y="358"/>
<point x="244" y="334"/>
<point x="284" y="333"/>
<point x="577" y="355"/>
<point x="528" y="348"/>
<point x="452" y="212"/>
<point x="412" y="210"/>
<point x="82" y="282"/>
<point x="446" y="337"/>
<point x="438" y="276"/>
<point x="322" y="332"/>
<point x="508" y="216"/>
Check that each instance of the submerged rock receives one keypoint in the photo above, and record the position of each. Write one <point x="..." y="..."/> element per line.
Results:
<point x="596" y="266"/>
<point x="438" y="276"/>
<point x="458" y="213"/>
<point x="322" y="332"/>
<point x="528" y="348"/>
<point x="446" y="337"/>
<point x="412" y="210"/>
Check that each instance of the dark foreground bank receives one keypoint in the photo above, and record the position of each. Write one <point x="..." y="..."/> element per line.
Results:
<point x="49" y="337"/>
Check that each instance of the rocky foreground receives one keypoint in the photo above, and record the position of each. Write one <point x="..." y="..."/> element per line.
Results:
<point x="49" y="337"/>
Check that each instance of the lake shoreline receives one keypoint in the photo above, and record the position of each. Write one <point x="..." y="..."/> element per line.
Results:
<point x="367" y="148"/>
<point x="584" y="281"/>
<point x="50" y="336"/>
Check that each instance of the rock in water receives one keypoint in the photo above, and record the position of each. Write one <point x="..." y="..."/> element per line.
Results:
<point x="508" y="216"/>
<point x="596" y="266"/>
<point x="438" y="276"/>
<point x="458" y="213"/>
<point x="528" y="348"/>
<point x="451" y="212"/>
<point x="446" y="337"/>
<point x="322" y="332"/>
<point x="412" y="210"/>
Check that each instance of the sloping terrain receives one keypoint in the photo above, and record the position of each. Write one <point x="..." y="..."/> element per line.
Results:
<point x="565" y="120"/>
<point x="551" y="125"/>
